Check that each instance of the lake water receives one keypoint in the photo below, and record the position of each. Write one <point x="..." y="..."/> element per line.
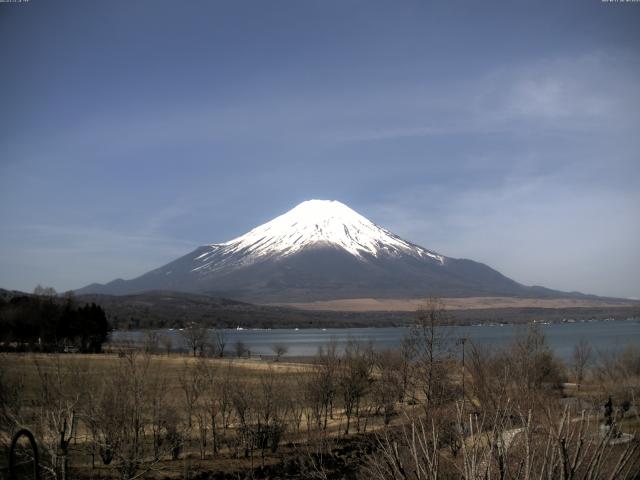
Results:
<point x="561" y="337"/>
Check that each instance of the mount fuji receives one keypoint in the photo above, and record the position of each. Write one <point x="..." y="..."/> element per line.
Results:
<point x="322" y="250"/>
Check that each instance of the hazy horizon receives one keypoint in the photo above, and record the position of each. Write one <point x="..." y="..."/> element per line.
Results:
<point x="505" y="133"/>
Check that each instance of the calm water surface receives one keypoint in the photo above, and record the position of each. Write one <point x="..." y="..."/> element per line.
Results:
<point x="561" y="337"/>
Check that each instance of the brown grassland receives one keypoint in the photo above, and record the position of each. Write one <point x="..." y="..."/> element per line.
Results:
<point x="469" y="303"/>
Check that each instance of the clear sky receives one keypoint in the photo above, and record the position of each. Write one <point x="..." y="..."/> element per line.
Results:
<point x="505" y="132"/>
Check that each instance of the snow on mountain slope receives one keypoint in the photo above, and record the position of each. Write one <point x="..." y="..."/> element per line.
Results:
<point x="311" y="223"/>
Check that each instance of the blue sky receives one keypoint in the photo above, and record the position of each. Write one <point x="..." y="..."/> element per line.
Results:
<point x="506" y="132"/>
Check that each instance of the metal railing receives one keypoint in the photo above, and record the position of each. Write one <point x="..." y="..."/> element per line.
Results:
<point x="12" y="454"/>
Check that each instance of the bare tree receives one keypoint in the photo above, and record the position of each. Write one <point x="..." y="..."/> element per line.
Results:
<point x="62" y="390"/>
<point x="618" y="375"/>
<point x="491" y="374"/>
<point x="243" y="400"/>
<point x="279" y="350"/>
<point x="535" y="371"/>
<point x="195" y="336"/>
<point x="582" y="357"/>
<point x="224" y="397"/>
<point x="430" y="344"/>
<point x="389" y="387"/>
<point x="411" y="454"/>
<point x="160" y="412"/>
<point x="151" y="341"/>
<point x="192" y="383"/>
<point x="240" y="348"/>
<point x="578" y="452"/>
<point x="354" y="379"/>
<point x="219" y="342"/>
<point x="214" y="393"/>
<point x="119" y="417"/>
<point x="166" y="342"/>
<point x="271" y="409"/>
<point x="320" y="388"/>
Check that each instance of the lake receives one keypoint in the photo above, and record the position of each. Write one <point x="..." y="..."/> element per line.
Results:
<point x="603" y="335"/>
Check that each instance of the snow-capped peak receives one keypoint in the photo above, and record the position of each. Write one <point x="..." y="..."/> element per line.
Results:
<point x="317" y="223"/>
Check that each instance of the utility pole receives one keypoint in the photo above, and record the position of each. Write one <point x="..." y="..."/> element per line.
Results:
<point x="462" y="341"/>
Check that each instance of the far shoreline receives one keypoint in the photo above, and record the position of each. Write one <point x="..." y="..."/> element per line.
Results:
<point x="379" y="326"/>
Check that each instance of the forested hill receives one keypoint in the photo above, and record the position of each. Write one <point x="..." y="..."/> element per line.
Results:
<point x="175" y="309"/>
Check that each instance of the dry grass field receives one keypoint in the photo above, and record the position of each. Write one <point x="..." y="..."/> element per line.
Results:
<point x="470" y="303"/>
<point x="92" y="368"/>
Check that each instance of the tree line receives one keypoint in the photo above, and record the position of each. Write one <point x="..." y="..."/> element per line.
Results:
<point x="46" y="322"/>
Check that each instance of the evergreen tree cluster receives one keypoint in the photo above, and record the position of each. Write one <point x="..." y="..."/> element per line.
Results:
<point x="48" y="323"/>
